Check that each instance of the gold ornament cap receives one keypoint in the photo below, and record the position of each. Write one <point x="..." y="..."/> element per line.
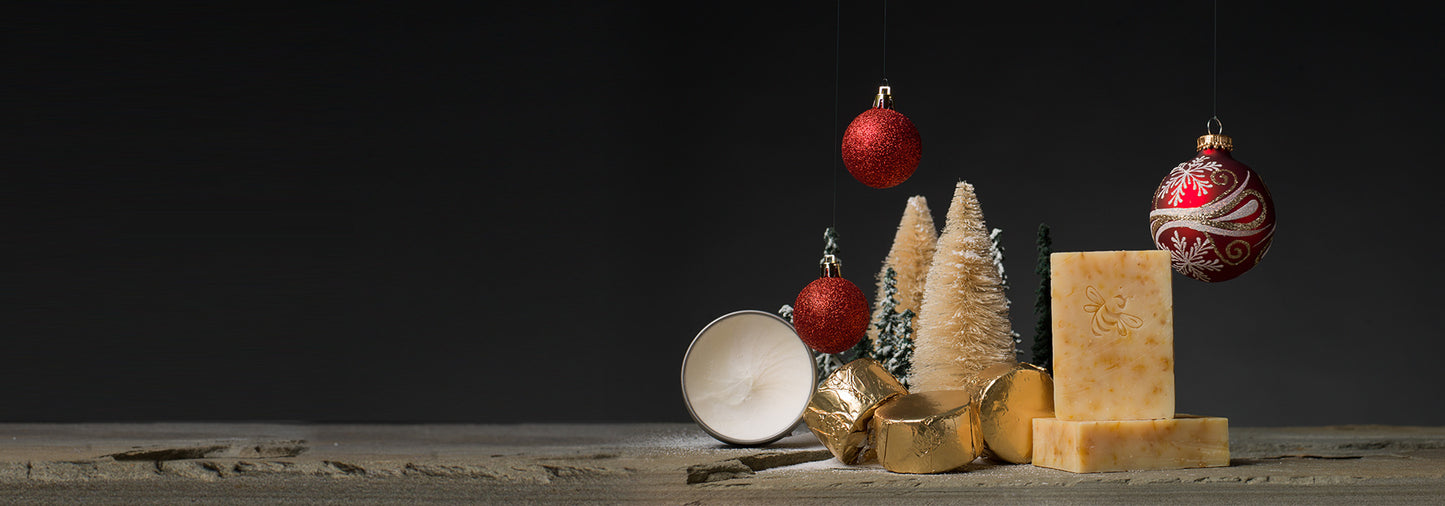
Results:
<point x="1009" y="397"/>
<point x="830" y="267"/>
<point x="928" y="432"/>
<point x="843" y="405"/>
<point x="1214" y="141"/>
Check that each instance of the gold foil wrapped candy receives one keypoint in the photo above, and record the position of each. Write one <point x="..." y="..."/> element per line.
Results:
<point x="1009" y="397"/>
<point x="843" y="405"/>
<point x="929" y="432"/>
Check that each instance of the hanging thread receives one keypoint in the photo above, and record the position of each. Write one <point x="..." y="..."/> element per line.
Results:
<point x="832" y="136"/>
<point x="885" y="41"/>
<point x="1215" y="71"/>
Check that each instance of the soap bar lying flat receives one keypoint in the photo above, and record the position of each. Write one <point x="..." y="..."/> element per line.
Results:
<point x="1183" y="442"/>
<point x="1113" y="335"/>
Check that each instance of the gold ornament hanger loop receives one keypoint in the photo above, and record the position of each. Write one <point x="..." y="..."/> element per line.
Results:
<point x="884" y="99"/>
<point x="1212" y="139"/>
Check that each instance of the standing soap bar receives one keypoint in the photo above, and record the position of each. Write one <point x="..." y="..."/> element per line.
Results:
<point x="1113" y="335"/>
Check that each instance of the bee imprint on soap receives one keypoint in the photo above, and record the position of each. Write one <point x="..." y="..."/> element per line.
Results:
<point x="1108" y="314"/>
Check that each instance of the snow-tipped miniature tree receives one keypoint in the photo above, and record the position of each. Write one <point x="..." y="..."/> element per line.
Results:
<point x="1043" y="298"/>
<point x="963" y="326"/>
<point x="827" y="363"/>
<point x="995" y="241"/>
<point x="895" y="331"/>
<point x="910" y="256"/>
<point x="830" y="243"/>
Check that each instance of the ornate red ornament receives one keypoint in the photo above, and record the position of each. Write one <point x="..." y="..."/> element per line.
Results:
<point x="881" y="147"/>
<point x="1213" y="214"/>
<point x="830" y="314"/>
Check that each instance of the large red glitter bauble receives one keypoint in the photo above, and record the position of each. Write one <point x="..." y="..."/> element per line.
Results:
<point x="830" y="315"/>
<point x="881" y="148"/>
<point x="1214" y="216"/>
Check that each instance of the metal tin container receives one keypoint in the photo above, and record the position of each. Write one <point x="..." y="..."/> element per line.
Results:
<point x="735" y="350"/>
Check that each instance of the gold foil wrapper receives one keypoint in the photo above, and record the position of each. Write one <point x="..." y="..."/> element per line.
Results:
<point x="843" y="405"/>
<point x="1009" y="397"/>
<point x="929" y="432"/>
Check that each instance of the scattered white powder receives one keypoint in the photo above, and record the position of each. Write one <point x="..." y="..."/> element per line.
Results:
<point x="822" y="465"/>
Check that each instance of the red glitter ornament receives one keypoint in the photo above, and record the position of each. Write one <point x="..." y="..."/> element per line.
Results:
<point x="1213" y="214"/>
<point x="881" y="147"/>
<point x="830" y="313"/>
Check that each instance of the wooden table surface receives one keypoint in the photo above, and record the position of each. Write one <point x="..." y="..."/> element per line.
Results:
<point x="300" y="463"/>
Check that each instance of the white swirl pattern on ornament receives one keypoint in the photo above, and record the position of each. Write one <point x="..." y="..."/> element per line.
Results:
<point x="1214" y="218"/>
<point x="1249" y="207"/>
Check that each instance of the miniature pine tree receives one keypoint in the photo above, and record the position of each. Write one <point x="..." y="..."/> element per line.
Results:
<point x="895" y="332"/>
<point x="827" y="363"/>
<point x="995" y="239"/>
<point x="963" y="326"/>
<point x="1043" y="314"/>
<point x="830" y="243"/>
<point x="910" y="257"/>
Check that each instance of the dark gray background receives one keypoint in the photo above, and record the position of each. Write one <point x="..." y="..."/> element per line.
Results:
<point x="478" y="213"/>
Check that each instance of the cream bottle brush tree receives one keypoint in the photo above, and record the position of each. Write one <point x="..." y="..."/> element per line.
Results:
<point x="963" y="326"/>
<point x="909" y="257"/>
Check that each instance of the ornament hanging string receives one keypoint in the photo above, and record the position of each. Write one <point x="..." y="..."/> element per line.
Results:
<point x="1214" y="113"/>
<point x="834" y="158"/>
<point x="885" y="41"/>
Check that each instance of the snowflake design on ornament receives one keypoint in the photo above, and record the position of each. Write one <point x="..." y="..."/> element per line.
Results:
<point x="1189" y="259"/>
<point x="1193" y="173"/>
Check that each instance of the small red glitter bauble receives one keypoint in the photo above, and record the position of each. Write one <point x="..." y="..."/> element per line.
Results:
<point x="830" y="315"/>
<point x="881" y="148"/>
<point x="1213" y="214"/>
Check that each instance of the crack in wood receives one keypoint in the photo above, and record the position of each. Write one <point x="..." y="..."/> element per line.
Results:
<point x="215" y="449"/>
<point x="750" y="464"/>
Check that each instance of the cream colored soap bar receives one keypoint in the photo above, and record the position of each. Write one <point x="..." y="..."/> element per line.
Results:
<point x="1134" y="445"/>
<point x="1113" y="335"/>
